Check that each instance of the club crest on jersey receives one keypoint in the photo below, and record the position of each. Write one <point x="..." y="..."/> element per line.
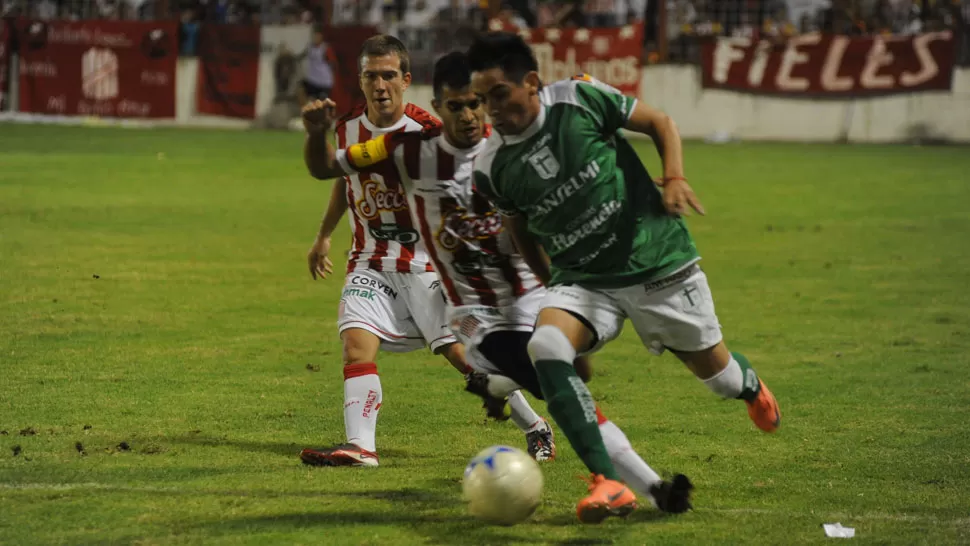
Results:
<point x="544" y="163"/>
<point x="458" y="226"/>
<point x="377" y="199"/>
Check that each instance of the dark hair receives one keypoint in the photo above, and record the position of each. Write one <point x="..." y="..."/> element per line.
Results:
<point x="451" y="70"/>
<point x="502" y="50"/>
<point x="385" y="44"/>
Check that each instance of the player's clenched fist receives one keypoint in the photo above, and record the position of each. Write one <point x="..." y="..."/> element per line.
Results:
<point x="318" y="115"/>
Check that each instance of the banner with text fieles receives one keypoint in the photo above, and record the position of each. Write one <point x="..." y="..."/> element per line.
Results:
<point x="821" y="65"/>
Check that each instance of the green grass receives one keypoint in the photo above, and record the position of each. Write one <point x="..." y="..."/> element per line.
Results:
<point x="163" y="301"/>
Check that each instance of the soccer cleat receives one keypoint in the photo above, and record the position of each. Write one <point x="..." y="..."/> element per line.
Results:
<point x="342" y="455"/>
<point x="495" y="408"/>
<point x="674" y="496"/>
<point x="606" y="498"/>
<point x="541" y="444"/>
<point x="763" y="410"/>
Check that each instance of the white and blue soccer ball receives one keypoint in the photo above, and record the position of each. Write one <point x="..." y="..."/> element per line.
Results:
<point x="502" y="485"/>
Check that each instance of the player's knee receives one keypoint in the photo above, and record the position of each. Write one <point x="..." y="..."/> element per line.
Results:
<point x="549" y="343"/>
<point x="359" y="346"/>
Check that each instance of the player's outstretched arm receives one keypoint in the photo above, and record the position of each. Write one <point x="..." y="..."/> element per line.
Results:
<point x="528" y="247"/>
<point x="319" y="153"/>
<point x="679" y="198"/>
<point x="319" y="156"/>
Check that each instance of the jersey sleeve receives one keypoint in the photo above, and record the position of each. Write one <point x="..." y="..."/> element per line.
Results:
<point x="611" y="108"/>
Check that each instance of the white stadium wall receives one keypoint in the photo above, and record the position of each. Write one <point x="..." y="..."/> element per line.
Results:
<point x="701" y="113"/>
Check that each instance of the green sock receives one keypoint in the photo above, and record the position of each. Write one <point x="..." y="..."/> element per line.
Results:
<point x="572" y="407"/>
<point x="751" y="386"/>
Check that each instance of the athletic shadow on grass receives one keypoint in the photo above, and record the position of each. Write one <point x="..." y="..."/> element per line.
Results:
<point x="290" y="449"/>
<point x="436" y="515"/>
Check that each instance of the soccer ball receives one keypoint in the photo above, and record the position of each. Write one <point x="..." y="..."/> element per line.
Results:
<point x="502" y="485"/>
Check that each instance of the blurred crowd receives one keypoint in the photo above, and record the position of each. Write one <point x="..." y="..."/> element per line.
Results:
<point x="429" y="25"/>
<point x="711" y="17"/>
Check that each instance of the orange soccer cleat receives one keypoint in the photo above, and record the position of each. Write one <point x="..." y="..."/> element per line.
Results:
<point x="606" y="498"/>
<point x="763" y="410"/>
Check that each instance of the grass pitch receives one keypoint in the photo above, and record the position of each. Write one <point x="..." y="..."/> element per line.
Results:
<point x="164" y="355"/>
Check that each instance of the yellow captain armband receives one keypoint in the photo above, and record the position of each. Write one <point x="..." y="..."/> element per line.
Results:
<point x="367" y="153"/>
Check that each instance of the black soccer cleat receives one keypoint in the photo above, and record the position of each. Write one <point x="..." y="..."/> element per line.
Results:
<point x="495" y="408"/>
<point x="673" y="497"/>
<point x="541" y="443"/>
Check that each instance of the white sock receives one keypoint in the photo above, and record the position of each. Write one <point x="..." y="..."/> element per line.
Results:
<point x="500" y="386"/>
<point x="523" y="415"/>
<point x="728" y="382"/>
<point x="362" y="401"/>
<point x="633" y="470"/>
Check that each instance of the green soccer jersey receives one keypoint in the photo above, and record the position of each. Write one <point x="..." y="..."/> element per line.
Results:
<point x="587" y="197"/>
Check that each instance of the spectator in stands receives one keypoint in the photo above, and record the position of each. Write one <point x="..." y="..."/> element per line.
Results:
<point x="524" y="10"/>
<point x="509" y="16"/>
<point x="881" y="17"/>
<point x="319" y="78"/>
<point x="46" y="10"/>
<point x="600" y="13"/>
<point x="570" y="14"/>
<point x="422" y="13"/>
<point x="358" y="12"/>
<point x="778" y="26"/>
<point x="108" y="9"/>
<point x="189" y="32"/>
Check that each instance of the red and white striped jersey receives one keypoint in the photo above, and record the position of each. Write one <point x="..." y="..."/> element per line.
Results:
<point x="473" y="255"/>
<point x="385" y="238"/>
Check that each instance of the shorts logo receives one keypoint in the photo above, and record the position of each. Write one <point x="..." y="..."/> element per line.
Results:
<point x="469" y="325"/>
<point x="692" y="296"/>
<point x="544" y="163"/>
<point x="361" y="285"/>
<point x="361" y="293"/>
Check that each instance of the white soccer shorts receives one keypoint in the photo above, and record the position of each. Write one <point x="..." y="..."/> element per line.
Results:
<point x="676" y="312"/>
<point x="405" y="310"/>
<point x="472" y="323"/>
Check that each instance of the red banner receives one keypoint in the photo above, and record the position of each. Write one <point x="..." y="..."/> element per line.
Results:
<point x="611" y="55"/>
<point x="814" y="64"/>
<point x="4" y="62"/>
<point x="122" y="69"/>
<point x="346" y="43"/>
<point x="228" y="70"/>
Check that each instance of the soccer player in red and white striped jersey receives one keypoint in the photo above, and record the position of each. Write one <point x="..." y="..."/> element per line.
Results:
<point x="392" y="297"/>
<point x="493" y="297"/>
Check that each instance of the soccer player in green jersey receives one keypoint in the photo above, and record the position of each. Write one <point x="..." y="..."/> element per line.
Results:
<point x="591" y="222"/>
